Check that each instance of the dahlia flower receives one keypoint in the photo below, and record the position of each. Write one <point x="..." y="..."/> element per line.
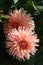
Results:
<point x="21" y="43"/>
<point x="19" y="18"/>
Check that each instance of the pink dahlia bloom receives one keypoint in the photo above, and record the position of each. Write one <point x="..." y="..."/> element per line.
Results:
<point x="19" y="18"/>
<point x="21" y="43"/>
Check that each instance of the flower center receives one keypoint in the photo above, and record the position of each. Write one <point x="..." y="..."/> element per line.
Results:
<point x="23" y="44"/>
<point x="15" y="24"/>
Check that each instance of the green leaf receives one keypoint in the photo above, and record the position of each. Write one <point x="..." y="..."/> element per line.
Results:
<point x="15" y="1"/>
<point x="33" y="4"/>
<point x="40" y="7"/>
<point x="4" y="16"/>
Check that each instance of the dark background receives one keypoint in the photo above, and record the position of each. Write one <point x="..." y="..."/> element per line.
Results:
<point x="37" y="13"/>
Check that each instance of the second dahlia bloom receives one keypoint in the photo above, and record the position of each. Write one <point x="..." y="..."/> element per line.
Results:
<point x="21" y="43"/>
<point x="19" y="18"/>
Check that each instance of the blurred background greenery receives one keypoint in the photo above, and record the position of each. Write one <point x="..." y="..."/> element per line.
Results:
<point x="35" y="7"/>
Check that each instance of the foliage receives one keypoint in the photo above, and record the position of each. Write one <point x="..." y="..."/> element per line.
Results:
<point x="35" y="7"/>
